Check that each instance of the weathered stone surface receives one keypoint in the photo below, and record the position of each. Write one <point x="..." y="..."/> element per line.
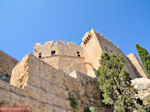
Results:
<point x="58" y="72"/>
<point x="143" y="87"/>
<point x="46" y="88"/>
<point x="6" y="65"/>
<point x="84" y="58"/>
<point x="135" y="61"/>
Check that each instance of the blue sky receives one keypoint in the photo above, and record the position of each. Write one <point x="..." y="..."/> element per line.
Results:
<point x="25" y="22"/>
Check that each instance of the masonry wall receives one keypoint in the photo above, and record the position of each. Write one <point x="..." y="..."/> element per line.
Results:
<point x="94" y="44"/>
<point x="52" y="60"/>
<point x="92" y="50"/>
<point x="46" y="89"/>
<point x="135" y="61"/>
<point x="65" y="54"/>
<point x="60" y="48"/>
<point x="107" y="45"/>
<point x="66" y="62"/>
<point x="69" y="49"/>
<point x="6" y="65"/>
<point x="44" y="49"/>
<point x="77" y="66"/>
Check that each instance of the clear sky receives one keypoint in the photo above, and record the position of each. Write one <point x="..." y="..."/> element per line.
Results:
<point x="25" y="22"/>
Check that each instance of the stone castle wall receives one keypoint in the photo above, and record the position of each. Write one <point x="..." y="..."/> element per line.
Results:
<point x="47" y="89"/>
<point x="94" y="44"/>
<point x="134" y="60"/>
<point x="57" y="72"/>
<point x="65" y="54"/>
<point x="91" y="49"/>
<point x="60" y="48"/>
<point x="87" y="55"/>
<point x="108" y="46"/>
<point x="6" y="65"/>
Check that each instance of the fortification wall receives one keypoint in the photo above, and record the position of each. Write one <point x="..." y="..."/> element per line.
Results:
<point x="108" y="46"/>
<point x="52" y="60"/>
<point x="60" y="48"/>
<point x="46" y="89"/>
<point x="45" y="49"/>
<point x="66" y="61"/>
<point x="77" y="66"/>
<point x="6" y="65"/>
<point x="63" y="62"/>
<point x="69" y="49"/>
<point x="63" y="54"/>
<point x="91" y="50"/>
<point x="135" y="61"/>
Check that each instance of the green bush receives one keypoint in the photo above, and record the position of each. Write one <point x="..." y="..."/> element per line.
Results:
<point x="73" y="102"/>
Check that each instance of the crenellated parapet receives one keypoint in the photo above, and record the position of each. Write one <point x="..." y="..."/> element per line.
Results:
<point x="60" y="48"/>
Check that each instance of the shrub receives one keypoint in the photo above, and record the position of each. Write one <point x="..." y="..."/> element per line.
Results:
<point x="73" y="102"/>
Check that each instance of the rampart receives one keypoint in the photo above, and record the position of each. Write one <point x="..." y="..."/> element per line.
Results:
<point x="6" y="65"/>
<point x="46" y="89"/>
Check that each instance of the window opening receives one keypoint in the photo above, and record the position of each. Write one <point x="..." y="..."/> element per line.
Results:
<point x="53" y="53"/>
<point x="40" y="55"/>
<point x="78" y="54"/>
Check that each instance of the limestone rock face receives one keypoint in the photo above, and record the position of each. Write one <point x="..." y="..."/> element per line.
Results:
<point x="143" y="87"/>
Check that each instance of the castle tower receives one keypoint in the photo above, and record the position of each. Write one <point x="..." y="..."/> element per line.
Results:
<point x="66" y="57"/>
<point x="94" y="43"/>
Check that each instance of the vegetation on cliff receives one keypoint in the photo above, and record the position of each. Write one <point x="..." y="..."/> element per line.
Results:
<point x="115" y="84"/>
<point x="145" y="57"/>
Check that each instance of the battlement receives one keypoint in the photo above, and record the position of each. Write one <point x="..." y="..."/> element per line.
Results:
<point x="72" y="43"/>
<point x="49" y="46"/>
<point x="60" y="54"/>
<point x="45" y="44"/>
<point x="49" y="43"/>
<point x="87" y="37"/>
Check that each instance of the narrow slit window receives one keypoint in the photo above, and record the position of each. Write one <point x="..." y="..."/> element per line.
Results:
<point x="78" y="54"/>
<point x="40" y="55"/>
<point x="53" y="53"/>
